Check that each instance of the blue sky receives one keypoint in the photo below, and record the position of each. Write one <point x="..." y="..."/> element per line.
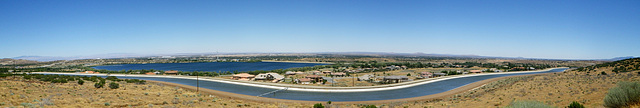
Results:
<point x="559" y="29"/>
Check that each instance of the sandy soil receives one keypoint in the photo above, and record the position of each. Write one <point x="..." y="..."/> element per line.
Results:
<point x="557" y="89"/>
<point x="17" y="92"/>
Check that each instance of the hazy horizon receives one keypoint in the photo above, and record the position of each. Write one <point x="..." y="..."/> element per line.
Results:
<point x="134" y="55"/>
<point x="589" y="29"/>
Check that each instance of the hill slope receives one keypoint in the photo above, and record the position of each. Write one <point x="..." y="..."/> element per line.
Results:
<point x="587" y="86"/>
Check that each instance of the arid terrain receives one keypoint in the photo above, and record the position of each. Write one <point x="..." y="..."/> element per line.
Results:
<point x="587" y="86"/>
<point x="558" y="89"/>
<point x="18" y="92"/>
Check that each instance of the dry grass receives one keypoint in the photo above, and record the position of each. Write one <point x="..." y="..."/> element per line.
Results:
<point x="30" y="93"/>
<point x="558" y="90"/>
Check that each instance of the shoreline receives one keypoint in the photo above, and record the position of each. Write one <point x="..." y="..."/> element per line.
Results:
<point x="317" y="88"/>
<point x="445" y="94"/>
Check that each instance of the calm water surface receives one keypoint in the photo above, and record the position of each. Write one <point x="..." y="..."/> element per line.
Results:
<point x="208" y="66"/>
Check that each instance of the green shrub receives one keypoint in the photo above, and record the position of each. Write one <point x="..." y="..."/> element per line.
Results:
<point x="625" y="94"/>
<point x="114" y="85"/>
<point x="80" y="82"/>
<point x="575" y="104"/>
<point x="370" y="106"/>
<point x="137" y="81"/>
<point x="318" y="105"/>
<point x="27" y="76"/>
<point x="98" y="85"/>
<point x="112" y="78"/>
<point x="603" y="73"/>
<point x="107" y="104"/>
<point x="528" y="104"/>
<point x="5" y="75"/>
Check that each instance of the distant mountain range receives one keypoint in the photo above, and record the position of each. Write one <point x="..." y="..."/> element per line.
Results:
<point x="617" y="58"/>
<point x="102" y="56"/>
<point x="128" y="55"/>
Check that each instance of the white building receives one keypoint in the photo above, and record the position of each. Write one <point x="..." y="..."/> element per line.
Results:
<point x="275" y="77"/>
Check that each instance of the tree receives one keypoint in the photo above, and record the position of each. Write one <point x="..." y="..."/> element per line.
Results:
<point x="114" y="85"/>
<point x="575" y="104"/>
<point x="80" y="82"/>
<point x="408" y="74"/>
<point x="318" y="105"/>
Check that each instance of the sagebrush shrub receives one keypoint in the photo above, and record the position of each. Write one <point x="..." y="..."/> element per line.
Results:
<point x="624" y="94"/>
<point x="80" y="82"/>
<point x="528" y="104"/>
<point x="114" y="85"/>
<point x="98" y="85"/>
<point x="575" y="104"/>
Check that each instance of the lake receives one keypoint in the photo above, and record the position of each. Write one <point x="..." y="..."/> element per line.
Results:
<point x="208" y="66"/>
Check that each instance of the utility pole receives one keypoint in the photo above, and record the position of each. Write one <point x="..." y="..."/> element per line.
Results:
<point x="354" y="80"/>
<point x="197" y="82"/>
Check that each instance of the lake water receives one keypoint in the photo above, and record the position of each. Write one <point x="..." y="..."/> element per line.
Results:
<point x="208" y="66"/>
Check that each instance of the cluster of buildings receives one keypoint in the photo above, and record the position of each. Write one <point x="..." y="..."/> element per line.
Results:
<point x="314" y="77"/>
<point x="171" y="72"/>
<point x="306" y="77"/>
<point x="272" y="77"/>
<point x="90" y="72"/>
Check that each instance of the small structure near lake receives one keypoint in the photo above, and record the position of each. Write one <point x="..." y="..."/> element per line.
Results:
<point x="395" y="79"/>
<point x="152" y="73"/>
<point x="366" y="77"/>
<point x="339" y="74"/>
<point x="303" y="81"/>
<point x="293" y="73"/>
<point x="315" y="78"/>
<point x="426" y="75"/>
<point x="476" y="71"/>
<point x="171" y="72"/>
<point x="439" y="74"/>
<point x="243" y="76"/>
<point x="274" y="77"/>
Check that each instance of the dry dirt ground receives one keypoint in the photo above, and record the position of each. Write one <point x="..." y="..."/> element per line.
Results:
<point x="559" y="89"/>
<point x="16" y="92"/>
<point x="556" y="89"/>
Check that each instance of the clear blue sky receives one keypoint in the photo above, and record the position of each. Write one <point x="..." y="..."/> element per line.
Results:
<point x="562" y="29"/>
